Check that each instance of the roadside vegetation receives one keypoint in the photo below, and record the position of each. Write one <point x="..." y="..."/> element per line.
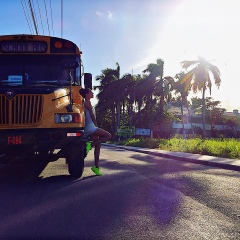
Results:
<point x="227" y="148"/>
<point x="152" y="100"/>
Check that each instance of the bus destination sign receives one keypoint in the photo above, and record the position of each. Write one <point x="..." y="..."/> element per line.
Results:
<point x="23" y="47"/>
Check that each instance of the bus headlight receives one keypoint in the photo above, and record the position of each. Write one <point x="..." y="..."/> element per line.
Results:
<point x="67" y="118"/>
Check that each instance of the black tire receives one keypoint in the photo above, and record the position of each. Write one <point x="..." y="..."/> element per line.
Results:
<point x="75" y="160"/>
<point x="42" y="160"/>
<point x="39" y="167"/>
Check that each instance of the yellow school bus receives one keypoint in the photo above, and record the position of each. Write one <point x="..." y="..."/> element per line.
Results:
<point x="41" y="110"/>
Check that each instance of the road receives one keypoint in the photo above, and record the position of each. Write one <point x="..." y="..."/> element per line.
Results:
<point x="138" y="197"/>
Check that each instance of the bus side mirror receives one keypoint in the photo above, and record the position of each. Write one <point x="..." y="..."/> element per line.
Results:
<point x="88" y="80"/>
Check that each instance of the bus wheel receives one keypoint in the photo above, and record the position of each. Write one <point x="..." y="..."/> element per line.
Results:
<point x="39" y="167"/>
<point x="75" y="160"/>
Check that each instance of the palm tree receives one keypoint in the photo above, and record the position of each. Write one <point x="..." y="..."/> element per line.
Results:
<point x="182" y="89"/>
<point x="139" y="95"/>
<point x="154" y="70"/>
<point x="128" y="83"/>
<point x="113" y="94"/>
<point x="199" y="80"/>
<point x="108" y="94"/>
<point x="164" y="86"/>
<point x="156" y="84"/>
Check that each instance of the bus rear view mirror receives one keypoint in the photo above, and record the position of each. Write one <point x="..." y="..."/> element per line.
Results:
<point x="88" y="80"/>
<point x="69" y="64"/>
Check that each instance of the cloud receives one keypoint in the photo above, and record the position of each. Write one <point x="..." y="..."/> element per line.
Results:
<point x="99" y="14"/>
<point x="108" y="15"/>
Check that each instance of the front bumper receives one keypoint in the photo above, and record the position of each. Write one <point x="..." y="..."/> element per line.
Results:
<point x="19" y="141"/>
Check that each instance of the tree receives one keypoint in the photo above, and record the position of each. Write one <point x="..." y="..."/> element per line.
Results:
<point x="181" y="88"/>
<point x="214" y="114"/>
<point x="131" y="83"/>
<point x="114" y="94"/>
<point x="234" y="124"/>
<point x="156" y="84"/>
<point x="108" y="96"/>
<point x="126" y="98"/>
<point x="199" y="80"/>
<point x="153" y="70"/>
<point x="164" y="86"/>
<point x="196" y="105"/>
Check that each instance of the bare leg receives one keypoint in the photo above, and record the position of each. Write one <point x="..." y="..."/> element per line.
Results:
<point x="103" y="136"/>
<point x="97" y="154"/>
<point x="98" y="137"/>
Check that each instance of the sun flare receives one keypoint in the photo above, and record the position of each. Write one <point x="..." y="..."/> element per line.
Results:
<point x="208" y="29"/>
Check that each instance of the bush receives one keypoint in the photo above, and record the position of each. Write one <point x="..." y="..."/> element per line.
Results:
<point x="228" y="148"/>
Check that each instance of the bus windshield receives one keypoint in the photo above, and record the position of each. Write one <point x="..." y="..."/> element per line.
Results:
<point x="19" y="70"/>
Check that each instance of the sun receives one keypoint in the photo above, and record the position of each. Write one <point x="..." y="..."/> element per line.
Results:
<point x="205" y="28"/>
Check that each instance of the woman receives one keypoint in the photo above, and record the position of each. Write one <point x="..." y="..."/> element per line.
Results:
<point x="96" y="134"/>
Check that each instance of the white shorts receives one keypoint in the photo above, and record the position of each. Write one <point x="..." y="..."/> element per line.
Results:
<point x="90" y="131"/>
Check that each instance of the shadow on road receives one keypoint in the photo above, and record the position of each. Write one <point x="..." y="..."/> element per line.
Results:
<point x="139" y="195"/>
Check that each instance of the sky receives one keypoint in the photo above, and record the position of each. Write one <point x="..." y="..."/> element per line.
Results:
<point x="135" y="33"/>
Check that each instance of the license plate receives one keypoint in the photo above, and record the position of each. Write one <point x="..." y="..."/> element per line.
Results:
<point x="15" y="140"/>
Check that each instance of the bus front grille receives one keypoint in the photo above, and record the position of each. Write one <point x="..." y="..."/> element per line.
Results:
<point x="22" y="109"/>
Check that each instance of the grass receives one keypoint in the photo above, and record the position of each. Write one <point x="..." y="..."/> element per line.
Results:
<point x="227" y="148"/>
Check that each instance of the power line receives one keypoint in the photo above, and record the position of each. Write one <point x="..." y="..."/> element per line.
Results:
<point x="51" y="16"/>
<point x="33" y="18"/>
<point x="47" y="16"/>
<point x="27" y="17"/>
<point x="35" y="15"/>
<point x="40" y="16"/>
<point x="61" y="18"/>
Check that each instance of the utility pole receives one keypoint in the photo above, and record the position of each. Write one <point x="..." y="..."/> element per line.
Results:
<point x="118" y="102"/>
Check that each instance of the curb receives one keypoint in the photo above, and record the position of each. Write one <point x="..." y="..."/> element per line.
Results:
<point x="225" y="163"/>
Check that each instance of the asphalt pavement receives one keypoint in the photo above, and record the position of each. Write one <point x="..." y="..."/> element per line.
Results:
<point x="225" y="163"/>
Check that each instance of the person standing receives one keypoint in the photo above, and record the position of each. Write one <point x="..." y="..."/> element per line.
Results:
<point x="96" y="134"/>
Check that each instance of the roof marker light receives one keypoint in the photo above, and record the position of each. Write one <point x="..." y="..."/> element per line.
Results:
<point x="58" y="45"/>
<point x="67" y="45"/>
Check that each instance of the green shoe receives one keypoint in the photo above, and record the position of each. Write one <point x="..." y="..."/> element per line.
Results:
<point x="88" y="147"/>
<point x="96" y="171"/>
